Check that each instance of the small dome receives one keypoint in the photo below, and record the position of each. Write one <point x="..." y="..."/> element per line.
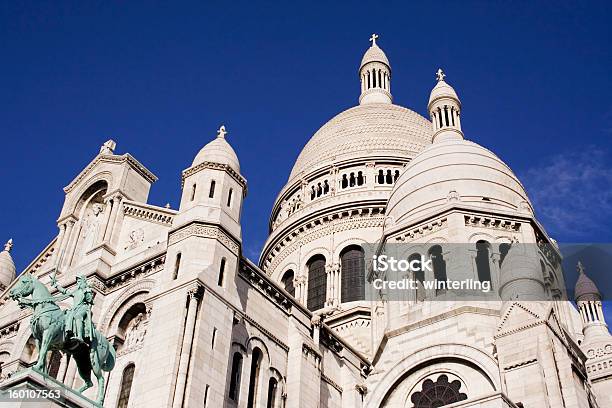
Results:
<point x="455" y="170"/>
<point x="374" y="54"/>
<point x="218" y="151"/>
<point x="7" y="266"/>
<point x="585" y="288"/>
<point x="442" y="90"/>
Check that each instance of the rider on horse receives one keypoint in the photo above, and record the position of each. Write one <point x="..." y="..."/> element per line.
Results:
<point x="78" y="318"/>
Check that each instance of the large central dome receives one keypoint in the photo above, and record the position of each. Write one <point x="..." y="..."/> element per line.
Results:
<point x="369" y="130"/>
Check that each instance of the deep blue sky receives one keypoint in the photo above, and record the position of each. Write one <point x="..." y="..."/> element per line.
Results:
<point x="534" y="80"/>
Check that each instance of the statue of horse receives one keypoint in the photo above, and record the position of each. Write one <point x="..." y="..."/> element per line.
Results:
<point x="47" y="325"/>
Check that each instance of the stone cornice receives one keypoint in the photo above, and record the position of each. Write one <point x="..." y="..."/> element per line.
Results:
<point x="143" y="269"/>
<point x="42" y="258"/>
<point x="331" y="382"/>
<point x="9" y="330"/>
<point x="204" y="230"/>
<point x="286" y="238"/>
<point x="147" y="212"/>
<point x="265" y="286"/>
<point x="421" y="230"/>
<point x="112" y="158"/>
<point x="215" y="166"/>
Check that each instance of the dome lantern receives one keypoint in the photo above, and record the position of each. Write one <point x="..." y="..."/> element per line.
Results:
<point x="375" y="75"/>
<point x="588" y="300"/>
<point x="444" y="110"/>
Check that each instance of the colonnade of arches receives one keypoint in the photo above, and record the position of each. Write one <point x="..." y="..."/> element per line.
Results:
<point x="353" y="272"/>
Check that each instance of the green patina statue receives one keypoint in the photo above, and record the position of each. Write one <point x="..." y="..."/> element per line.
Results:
<point x="71" y="331"/>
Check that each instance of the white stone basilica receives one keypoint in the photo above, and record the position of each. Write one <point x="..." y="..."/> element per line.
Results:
<point x="196" y="324"/>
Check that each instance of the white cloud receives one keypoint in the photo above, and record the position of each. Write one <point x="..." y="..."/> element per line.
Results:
<point x="572" y="194"/>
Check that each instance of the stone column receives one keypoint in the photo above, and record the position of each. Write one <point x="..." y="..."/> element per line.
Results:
<point x="303" y="289"/>
<point x="108" y="235"/>
<point x="70" y="373"/>
<point x="329" y="270"/>
<point x="338" y="284"/>
<point x="179" y="393"/>
<point x="61" y="372"/>
<point x="72" y="236"/>
<point x="370" y="174"/>
<point x="107" y="213"/>
<point x="60" y="244"/>
<point x="68" y="226"/>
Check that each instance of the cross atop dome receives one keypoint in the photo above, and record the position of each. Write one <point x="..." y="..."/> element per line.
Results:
<point x="9" y="245"/>
<point x="373" y="39"/>
<point x="580" y="267"/>
<point x="440" y="75"/>
<point x="221" y="132"/>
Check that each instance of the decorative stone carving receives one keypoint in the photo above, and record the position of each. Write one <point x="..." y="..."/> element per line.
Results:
<point x="135" y="238"/>
<point x="205" y="231"/>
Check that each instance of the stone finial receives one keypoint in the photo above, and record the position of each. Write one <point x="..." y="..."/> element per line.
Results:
<point x="167" y="205"/>
<point x="373" y="39"/>
<point x="221" y="132"/>
<point x="108" y="147"/>
<point x="9" y="245"/>
<point x="580" y="267"/>
<point x="440" y="75"/>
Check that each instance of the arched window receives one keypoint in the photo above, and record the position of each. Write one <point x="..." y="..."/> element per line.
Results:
<point x="272" y="387"/>
<point x="396" y="175"/>
<point x="193" y="191"/>
<point x="389" y="177"/>
<point x="312" y="193"/>
<point x="380" y="179"/>
<point x="438" y="394"/>
<point x="229" y="197"/>
<point x="287" y="281"/>
<point x="419" y="276"/>
<point x="221" y="278"/>
<point x="235" y="376"/>
<point x="325" y="187"/>
<point x="317" y="282"/>
<point x="353" y="274"/>
<point x="177" y="266"/>
<point x="439" y="265"/>
<point x="254" y="377"/>
<point x="503" y="251"/>
<point x="54" y="363"/>
<point x="126" y="386"/>
<point x="360" y="178"/>
<point x="483" y="267"/>
<point x="211" y="193"/>
<point x="352" y="180"/>
<point x="319" y="190"/>
<point x="344" y="182"/>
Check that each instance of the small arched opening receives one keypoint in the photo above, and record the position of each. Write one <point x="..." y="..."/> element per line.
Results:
<point x="317" y="282"/>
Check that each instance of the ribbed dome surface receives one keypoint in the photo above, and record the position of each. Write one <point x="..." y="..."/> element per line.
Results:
<point x="365" y="131"/>
<point x="218" y="151"/>
<point x="374" y="54"/>
<point x="442" y="90"/>
<point x="585" y="288"/>
<point x="455" y="169"/>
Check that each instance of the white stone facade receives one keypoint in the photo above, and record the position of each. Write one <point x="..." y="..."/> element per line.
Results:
<point x="196" y="324"/>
